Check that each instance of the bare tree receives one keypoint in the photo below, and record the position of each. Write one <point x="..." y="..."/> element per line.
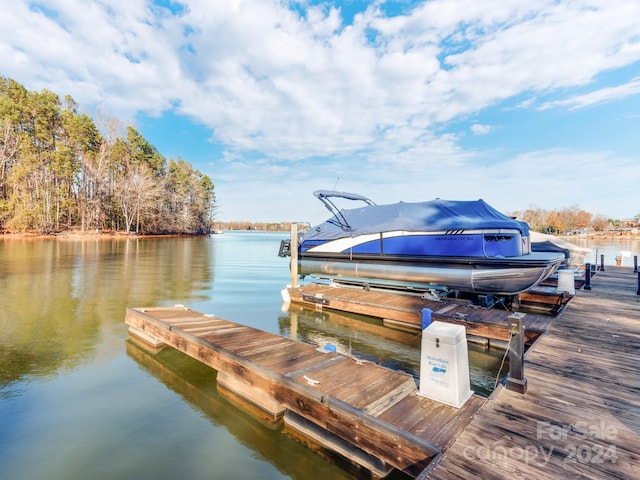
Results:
<point x="137" y="194"/>
<point x="8" y="154"/>
<point x="600" y="223"/>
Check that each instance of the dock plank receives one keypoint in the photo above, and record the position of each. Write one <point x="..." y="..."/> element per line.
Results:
<point x="361" y="385"/>
<point x="254" y="344"/>
<point x="293" y="357"/>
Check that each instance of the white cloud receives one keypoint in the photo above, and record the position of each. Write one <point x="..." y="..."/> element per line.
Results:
<point x="551" y="179"/>
<point x="479" y="129"/>
<point x="266" y="79"/>
<point x="116" y="57"/>
<point x="373" y="99"/>
<point x="598" y="96"/>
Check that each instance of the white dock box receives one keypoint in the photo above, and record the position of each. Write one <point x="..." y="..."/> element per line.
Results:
<point x="444" y="364"/>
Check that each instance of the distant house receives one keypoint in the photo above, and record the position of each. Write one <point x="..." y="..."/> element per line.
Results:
<point x="630" y="227"/>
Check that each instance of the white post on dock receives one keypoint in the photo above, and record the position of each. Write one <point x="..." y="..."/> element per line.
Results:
<point x="566" y="281"/>
<point x="294" y="254"/>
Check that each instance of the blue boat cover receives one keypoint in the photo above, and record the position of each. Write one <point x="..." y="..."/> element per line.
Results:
<point x="431" y="216"/>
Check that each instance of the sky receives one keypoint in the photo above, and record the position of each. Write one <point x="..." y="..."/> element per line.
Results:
<point x="522" y="103"/>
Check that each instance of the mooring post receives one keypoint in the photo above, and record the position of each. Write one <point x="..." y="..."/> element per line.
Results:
<point x="601" y="263"/>
<point x="294" y="254"/>
<point x="635" y="263"/>
<point x="638" y="291"/>
<point x="587" y="276"/>
<point x="516" y="380"/>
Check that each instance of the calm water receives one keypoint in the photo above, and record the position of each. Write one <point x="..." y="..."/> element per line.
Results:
<point x="610" y="248"/>
<point x="78" y="400"/>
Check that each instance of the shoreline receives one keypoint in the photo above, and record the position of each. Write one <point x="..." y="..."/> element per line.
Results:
<point x="70" y="236"/>
<point x="106" y="235"/>
<point x="113" y="235"/>
<point x="78" y="235"/>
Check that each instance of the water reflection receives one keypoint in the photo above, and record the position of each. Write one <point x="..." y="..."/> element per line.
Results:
<point x="196" y="385"/>
<point x="368" y="339"/>
<point x="59" y="296"/>
<point x="75" y="402"/>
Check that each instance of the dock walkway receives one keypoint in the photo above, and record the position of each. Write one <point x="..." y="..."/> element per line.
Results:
<point x="580" y="417"/>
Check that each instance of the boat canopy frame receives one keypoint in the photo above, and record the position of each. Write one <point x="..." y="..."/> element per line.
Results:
<point x="325" y="195"/>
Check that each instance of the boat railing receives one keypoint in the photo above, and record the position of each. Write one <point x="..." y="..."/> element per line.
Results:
<point x="285" y="248"/>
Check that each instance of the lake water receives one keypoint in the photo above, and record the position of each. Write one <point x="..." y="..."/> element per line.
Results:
<point x="78" y="400"/>
<point x="610" y="247"/>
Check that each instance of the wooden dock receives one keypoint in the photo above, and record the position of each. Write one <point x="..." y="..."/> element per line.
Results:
<point x="580" y="417"/>
<point x="404" y="310"/>
<point x="369" y="414"/>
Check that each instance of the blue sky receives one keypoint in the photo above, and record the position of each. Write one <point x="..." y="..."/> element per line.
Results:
<point x="521" y="103"/>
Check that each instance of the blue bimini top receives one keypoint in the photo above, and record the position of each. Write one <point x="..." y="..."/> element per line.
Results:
<point x="430" y="216"/>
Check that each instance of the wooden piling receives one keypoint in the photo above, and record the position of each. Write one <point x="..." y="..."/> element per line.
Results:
<point x="587" y="277"/>
<point x="294" y="255"/>
<point x="516" y="381"/>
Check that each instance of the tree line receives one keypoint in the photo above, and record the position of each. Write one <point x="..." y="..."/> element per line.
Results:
<point x="562" y="221"/>
<point x="59" y="171"/>
<point x="220" y="226"/>
<point x="569" y="220"/>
